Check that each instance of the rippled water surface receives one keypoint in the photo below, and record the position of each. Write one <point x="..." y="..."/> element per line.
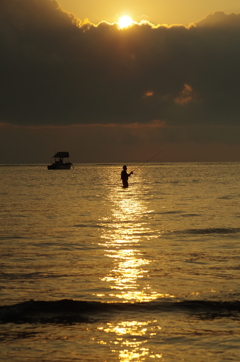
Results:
<point x="94" y="272"/>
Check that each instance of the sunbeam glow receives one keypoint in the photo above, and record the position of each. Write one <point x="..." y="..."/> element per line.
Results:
<point x="125" y="21"/>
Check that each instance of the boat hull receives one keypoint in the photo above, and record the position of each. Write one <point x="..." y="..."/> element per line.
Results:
<point x="66" y="166"/>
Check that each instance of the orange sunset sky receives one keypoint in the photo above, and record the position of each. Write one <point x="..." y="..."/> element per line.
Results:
<point x="155" y="11"/>
<point x="72" y="80"/>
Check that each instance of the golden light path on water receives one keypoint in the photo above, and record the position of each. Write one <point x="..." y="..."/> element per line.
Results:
<point x="126" y="227"/>
<point x="130" y="339"/>
<point x="122" y="241"/>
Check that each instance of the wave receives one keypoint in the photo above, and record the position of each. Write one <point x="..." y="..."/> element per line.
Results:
<point x="68" y="311"/>
<point x="210" y="231"/>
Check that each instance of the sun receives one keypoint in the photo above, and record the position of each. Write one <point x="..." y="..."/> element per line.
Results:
<point x="125" y="21"/>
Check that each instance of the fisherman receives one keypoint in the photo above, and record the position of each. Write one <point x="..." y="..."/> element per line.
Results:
<point x="124" y="176"/>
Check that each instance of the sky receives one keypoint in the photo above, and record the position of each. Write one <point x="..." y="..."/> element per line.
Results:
<point x="155" y="11"/>
<point x="72" y="80"/>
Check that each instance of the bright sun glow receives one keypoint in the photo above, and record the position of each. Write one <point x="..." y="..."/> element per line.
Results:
<point x="125" y="21"/>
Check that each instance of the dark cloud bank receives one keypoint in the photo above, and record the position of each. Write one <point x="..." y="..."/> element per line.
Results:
<point x="156" y="85"/>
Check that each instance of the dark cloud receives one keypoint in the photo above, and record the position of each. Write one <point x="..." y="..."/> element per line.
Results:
<point x="57" y="70"/>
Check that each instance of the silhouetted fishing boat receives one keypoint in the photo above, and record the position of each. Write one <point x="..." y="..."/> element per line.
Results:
<point x="59" y="163"/>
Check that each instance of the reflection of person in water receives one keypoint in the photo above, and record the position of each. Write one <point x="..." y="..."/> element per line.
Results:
<point x="124" y="176"/>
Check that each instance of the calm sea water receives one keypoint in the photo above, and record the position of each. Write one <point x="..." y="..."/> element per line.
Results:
<point x="94" y="272"/>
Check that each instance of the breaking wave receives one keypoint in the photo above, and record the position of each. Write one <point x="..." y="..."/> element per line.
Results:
<point x="68" y="311"/>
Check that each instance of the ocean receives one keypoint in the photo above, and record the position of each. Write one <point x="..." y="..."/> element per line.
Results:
<point x="91" y="271"/>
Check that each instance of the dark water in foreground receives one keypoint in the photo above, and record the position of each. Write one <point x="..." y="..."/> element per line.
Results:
<point x="94" y="272"/>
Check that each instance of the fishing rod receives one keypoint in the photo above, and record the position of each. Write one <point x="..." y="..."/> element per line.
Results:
<point x="148" y="160"/>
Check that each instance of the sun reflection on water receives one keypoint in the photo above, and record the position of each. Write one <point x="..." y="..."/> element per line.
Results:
<point x="130" y="337"/>
<point x="122" y="234"/>
<point x="125" y="234"/>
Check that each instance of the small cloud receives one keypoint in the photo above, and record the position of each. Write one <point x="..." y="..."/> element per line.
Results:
<point x="148" y="94"/>
<point x="185" y="96"/>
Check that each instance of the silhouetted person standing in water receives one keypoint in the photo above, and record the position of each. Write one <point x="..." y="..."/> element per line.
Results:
<point x="124" y="176"/>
